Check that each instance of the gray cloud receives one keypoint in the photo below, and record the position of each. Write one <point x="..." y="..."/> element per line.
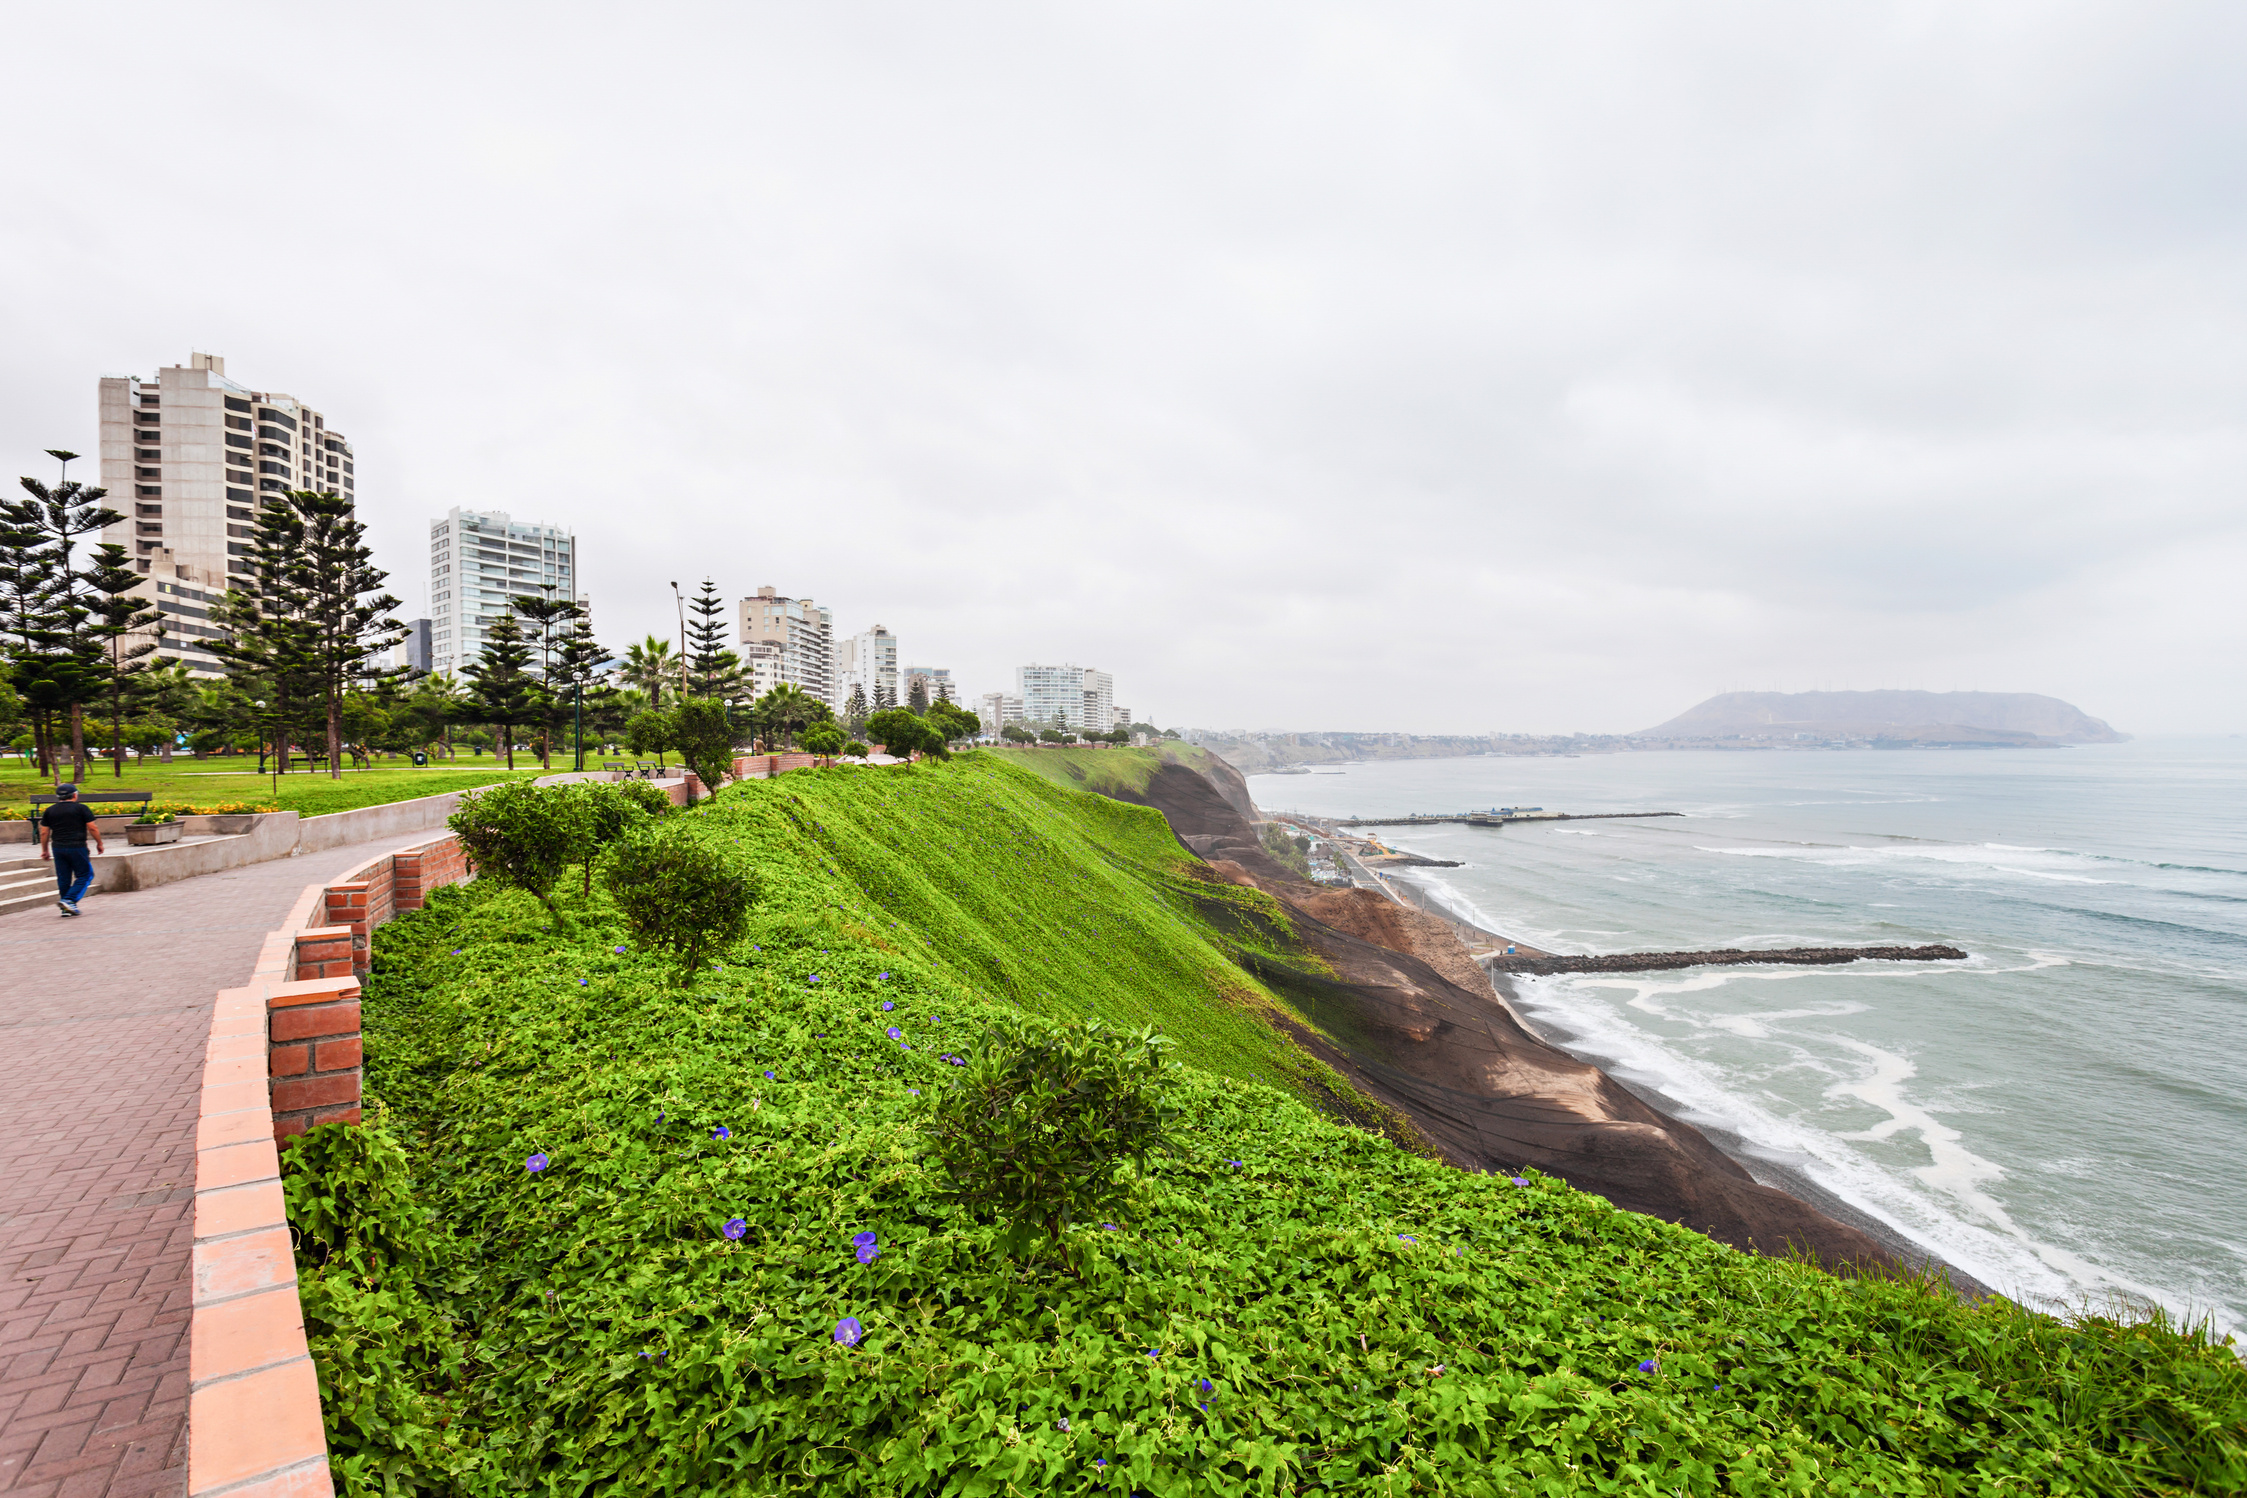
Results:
<point x="1434" y="367"/>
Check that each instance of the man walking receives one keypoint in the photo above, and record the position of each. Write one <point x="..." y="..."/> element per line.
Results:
<point x="62" y="834"/>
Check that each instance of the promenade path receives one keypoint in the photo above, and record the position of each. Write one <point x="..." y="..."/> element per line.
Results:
<point x="103" y="1023"/>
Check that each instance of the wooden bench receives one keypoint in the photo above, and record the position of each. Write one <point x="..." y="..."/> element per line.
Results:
<point x="644" y="768"/>
<point x="618" y="769"/>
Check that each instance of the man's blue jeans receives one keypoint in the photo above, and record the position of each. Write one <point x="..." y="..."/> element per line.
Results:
<point x="74" y="870"/>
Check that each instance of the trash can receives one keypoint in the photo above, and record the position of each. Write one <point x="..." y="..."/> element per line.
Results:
<point x="420" y="758"/>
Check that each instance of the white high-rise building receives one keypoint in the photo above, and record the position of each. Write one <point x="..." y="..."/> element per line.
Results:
<point x="186" y="458"/>
<point x="867" y="661"/>
<point x="1077" y="697"/>
<point x="805" y="634"/>
<point x="481" y="560"/>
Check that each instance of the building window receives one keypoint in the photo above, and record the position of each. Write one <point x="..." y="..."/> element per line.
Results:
<point x="234" y="405"/>
<point x="148" y="473"/>
<point x="152" y="491"/>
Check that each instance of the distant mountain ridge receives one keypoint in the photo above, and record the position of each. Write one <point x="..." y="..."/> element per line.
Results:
<point x="1993" y="718"/>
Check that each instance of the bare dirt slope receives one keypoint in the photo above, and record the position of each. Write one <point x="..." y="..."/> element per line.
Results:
<point x="1408" y="1018"/>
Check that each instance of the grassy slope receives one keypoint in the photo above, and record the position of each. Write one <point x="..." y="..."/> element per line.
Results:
<point x="1104" y="769"/>
<point x="588" y="1329"/>
<point x="197" y="784"/>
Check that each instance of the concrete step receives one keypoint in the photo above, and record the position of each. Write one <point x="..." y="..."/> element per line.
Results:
<point x="18" y="892"/>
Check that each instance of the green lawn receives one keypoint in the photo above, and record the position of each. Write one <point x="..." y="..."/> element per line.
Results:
<point x="1287" y="1305"/>
<point x="225" y="782"/>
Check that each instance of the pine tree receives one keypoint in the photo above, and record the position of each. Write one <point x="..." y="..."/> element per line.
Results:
<point x="885" y="696"/>
<point x="502" y="691"/>
<point x="706" y="640"/>
<point x="550" y="615"/>
<point x="60" y="670"/>
<point x="267" y="648"/>
<point x="855" y="710"/>
<point x="917" y="702"/>
<point x="116" y="615"/>
<point x="577" y="669"/>
<point x="335" y="575"/>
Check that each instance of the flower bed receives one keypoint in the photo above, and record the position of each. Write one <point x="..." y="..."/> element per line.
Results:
<point x="614" y="1234"/>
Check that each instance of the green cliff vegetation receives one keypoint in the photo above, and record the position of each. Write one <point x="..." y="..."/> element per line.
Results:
<point x="613" y="1231"/>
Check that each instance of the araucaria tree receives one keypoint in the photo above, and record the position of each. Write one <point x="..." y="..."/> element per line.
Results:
<point x="709" y="663"/>
<point x="57" y="665"/>
<point x="118" y="615"/>
<point x="549" y="616"/>
<point x="502" y="691"/>
<point x="344" y="624"/>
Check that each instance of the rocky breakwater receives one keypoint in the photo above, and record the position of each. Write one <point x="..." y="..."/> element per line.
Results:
<point x="1543" y="964"/>
<point x="1397" y="1006"/>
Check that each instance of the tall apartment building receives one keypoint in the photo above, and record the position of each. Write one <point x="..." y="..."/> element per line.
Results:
<point x="934" y="682"/>
<point x="805" y="634"/>
<point x="481" y="560"/>
<point x="1075" y="696"/>
<point x="186" y="457"/>
<point x="867" y="661"/>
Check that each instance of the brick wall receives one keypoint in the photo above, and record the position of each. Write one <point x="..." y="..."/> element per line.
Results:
<point x="313" y="1053"/>
<point x="765" y="766"/>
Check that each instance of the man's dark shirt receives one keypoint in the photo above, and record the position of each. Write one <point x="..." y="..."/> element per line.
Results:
<point x="66" y="823"/>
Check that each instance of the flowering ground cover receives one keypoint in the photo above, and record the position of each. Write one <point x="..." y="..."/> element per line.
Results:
<point x="611" y="1235"/>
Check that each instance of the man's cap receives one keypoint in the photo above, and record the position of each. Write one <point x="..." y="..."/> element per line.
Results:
<point x="66" y="790"/>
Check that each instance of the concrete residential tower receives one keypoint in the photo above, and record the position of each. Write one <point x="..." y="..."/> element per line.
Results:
<point x="1077" y="697"/>
<point x="186" y="458"/>
<point x="804" y="634"/>
<point x="867" y="661"/>
<point x="478" y="561"/>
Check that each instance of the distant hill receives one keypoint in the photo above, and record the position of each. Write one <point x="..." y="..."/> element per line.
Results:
<point x="1894" y="717"/>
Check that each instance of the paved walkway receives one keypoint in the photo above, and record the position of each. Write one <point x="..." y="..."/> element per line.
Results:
<point x="103" y="1021"/>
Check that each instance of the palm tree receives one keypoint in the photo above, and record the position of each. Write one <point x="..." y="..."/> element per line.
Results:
<point x="648" y="666"/>
<point x="786" y="707"/>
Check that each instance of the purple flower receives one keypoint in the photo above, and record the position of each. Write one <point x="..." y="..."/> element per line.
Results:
<point x="582" y="983"/>
<point x="721" y="1132"/>
<point x="734" y="1227"/>
<point x="1406" y="1238"/>
<point x="769" y="1077"/>
<point x="535" y="1164"/>
<point x="618" y="949"/>
<point x="659" y="1118"/>
<point x="893" y="1032"/>
<point x="1650" y="1366"/>
<point x="868" y="1253"/>
<point x="456" y="951"/>
<point x="883" y="975"/>
<point x="887" y="1006"/>
<point x="1521" y="1180"/>
<point x="914" y="1090"/>
<point x="1100" y="1461"/>
<point x="1111" y="1227"/>
<point x="848" y="1331"/>
<point x="1207" y="1388"/>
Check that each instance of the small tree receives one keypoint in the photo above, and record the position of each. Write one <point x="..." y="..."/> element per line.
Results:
<point x="644" y="796"/>
<point x="854" y="750"/>
<point x="605" y="814"/>
<point x="505" y="694"/>
<point x="650" y="732"/>
<point x="521" y="836"/>
<point x="1041" y="1124"/>
<point x="703" y="735"/>
<point x="826" y="741"/>
<point x="678" y="892"/>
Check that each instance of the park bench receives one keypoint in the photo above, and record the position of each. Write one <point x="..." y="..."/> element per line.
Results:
<point x="618" y="769"/>
<point x="40" y="803"/>
<point x="644" y="768"/>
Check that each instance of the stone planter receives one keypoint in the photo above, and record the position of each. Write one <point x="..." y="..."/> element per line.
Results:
<point x="149" y="834"/>
<point x="233" y="823"/>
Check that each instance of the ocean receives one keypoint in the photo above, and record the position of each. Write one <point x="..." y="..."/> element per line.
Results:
<point x="2063" y="1117"/>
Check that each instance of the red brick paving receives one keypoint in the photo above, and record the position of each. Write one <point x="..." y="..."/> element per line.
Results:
<point x="103" y="1022"/>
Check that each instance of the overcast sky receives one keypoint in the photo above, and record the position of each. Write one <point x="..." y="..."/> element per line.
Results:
<point x="1441" y="368"/>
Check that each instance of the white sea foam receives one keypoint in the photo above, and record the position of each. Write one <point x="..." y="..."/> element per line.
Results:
<point x="1944" y="1205"/>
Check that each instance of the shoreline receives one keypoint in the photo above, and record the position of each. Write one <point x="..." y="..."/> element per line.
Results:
<point x="1775" y="1174"/>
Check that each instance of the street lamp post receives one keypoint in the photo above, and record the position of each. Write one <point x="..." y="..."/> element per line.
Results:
<point x="681" y="599"/>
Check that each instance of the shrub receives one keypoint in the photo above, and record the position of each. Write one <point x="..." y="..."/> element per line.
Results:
<point x="824" y="741"/>
<point x="1041" y="1124"/>
<point x="703" y="735"/>
<point x="854" y="750"/>
<point x="644" y="796"/>
<point x="521" y="836"/>
<point x="678" y="892"/>
<point x="650" y="732"/>
<point x="605" y="813"/>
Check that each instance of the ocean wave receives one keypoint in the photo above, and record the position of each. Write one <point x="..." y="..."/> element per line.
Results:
<point x="1947" y="1205"/>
